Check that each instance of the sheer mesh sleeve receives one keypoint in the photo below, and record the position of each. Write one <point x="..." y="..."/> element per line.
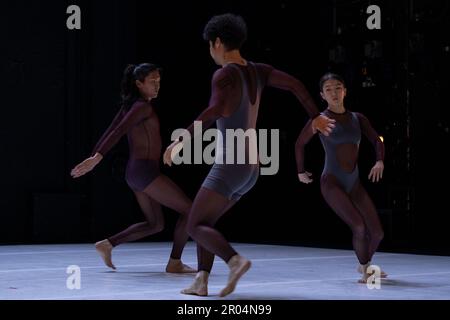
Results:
<point x="303" y="139"/>
<point x="113" y="124"/>
<point x="121" y="125"/>
<point x="281" y="80"/>
<point x="372" y="135"/>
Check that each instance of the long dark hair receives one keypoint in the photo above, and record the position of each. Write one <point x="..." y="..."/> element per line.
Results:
<point x="130" y="92"/>
<point x="330" y="76"/>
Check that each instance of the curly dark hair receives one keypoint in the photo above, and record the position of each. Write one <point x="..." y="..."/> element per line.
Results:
<point x="230" y="28"/>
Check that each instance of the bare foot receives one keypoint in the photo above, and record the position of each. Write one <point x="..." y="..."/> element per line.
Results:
<point x="383" y="275"/>
<point x="363" y="280"/>
<point x="238" y="266"/>
<point x="366" y="275"/>
<point x="363" y="270"/>
<point x="176" y="266"/>
<point x="200" y="285"/>
<point x="104" y="248"/>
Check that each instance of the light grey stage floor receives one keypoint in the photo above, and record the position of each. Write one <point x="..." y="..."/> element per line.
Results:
<point x="278" y="272"/>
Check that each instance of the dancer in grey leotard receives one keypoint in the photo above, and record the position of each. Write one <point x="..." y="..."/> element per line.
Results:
<point x="236" y="91"/>
<point x="340" y="184"/>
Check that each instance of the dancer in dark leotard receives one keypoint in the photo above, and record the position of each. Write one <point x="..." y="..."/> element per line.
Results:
<point x="340" y="184"/>
<point x="138" y="120"/>
<point x="234" y="104"/>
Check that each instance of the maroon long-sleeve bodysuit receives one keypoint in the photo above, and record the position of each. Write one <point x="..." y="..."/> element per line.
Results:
<point x="141" y="125"/>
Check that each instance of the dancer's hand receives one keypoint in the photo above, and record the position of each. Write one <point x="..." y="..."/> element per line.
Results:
<point x="323" y="124"/>
<point x="305" y="177"/>
<point x="171" y="151"/>
<point x="86" y="166"/>
<point x="376" y="174"/>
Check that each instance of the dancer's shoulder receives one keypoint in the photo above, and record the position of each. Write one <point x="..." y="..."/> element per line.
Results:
<point x="264" y="67"/>
<point x="141" y="106"/>
<point x="228" y="70"/>
<point x="224" y="76"/>
<point x="264" y="70"/>
<point x="359" y="115"/>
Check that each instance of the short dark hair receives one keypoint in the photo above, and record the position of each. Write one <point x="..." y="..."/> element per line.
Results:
<point x="230" y="28"/>
<point x="330" y="76"/>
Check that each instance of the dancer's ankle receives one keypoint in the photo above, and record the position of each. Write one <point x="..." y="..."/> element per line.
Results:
<point x="203" y="275"/>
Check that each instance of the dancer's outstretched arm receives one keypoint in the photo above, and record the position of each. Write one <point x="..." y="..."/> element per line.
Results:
<point x="119" y="127"/>
<point x="117" y="119"/>
<point x="282" y="80"/>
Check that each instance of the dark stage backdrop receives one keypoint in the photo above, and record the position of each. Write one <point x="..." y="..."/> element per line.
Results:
<point x="61" y="87"/>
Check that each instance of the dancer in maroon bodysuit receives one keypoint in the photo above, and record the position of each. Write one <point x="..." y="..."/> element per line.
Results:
<point x="137" y="119"/>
